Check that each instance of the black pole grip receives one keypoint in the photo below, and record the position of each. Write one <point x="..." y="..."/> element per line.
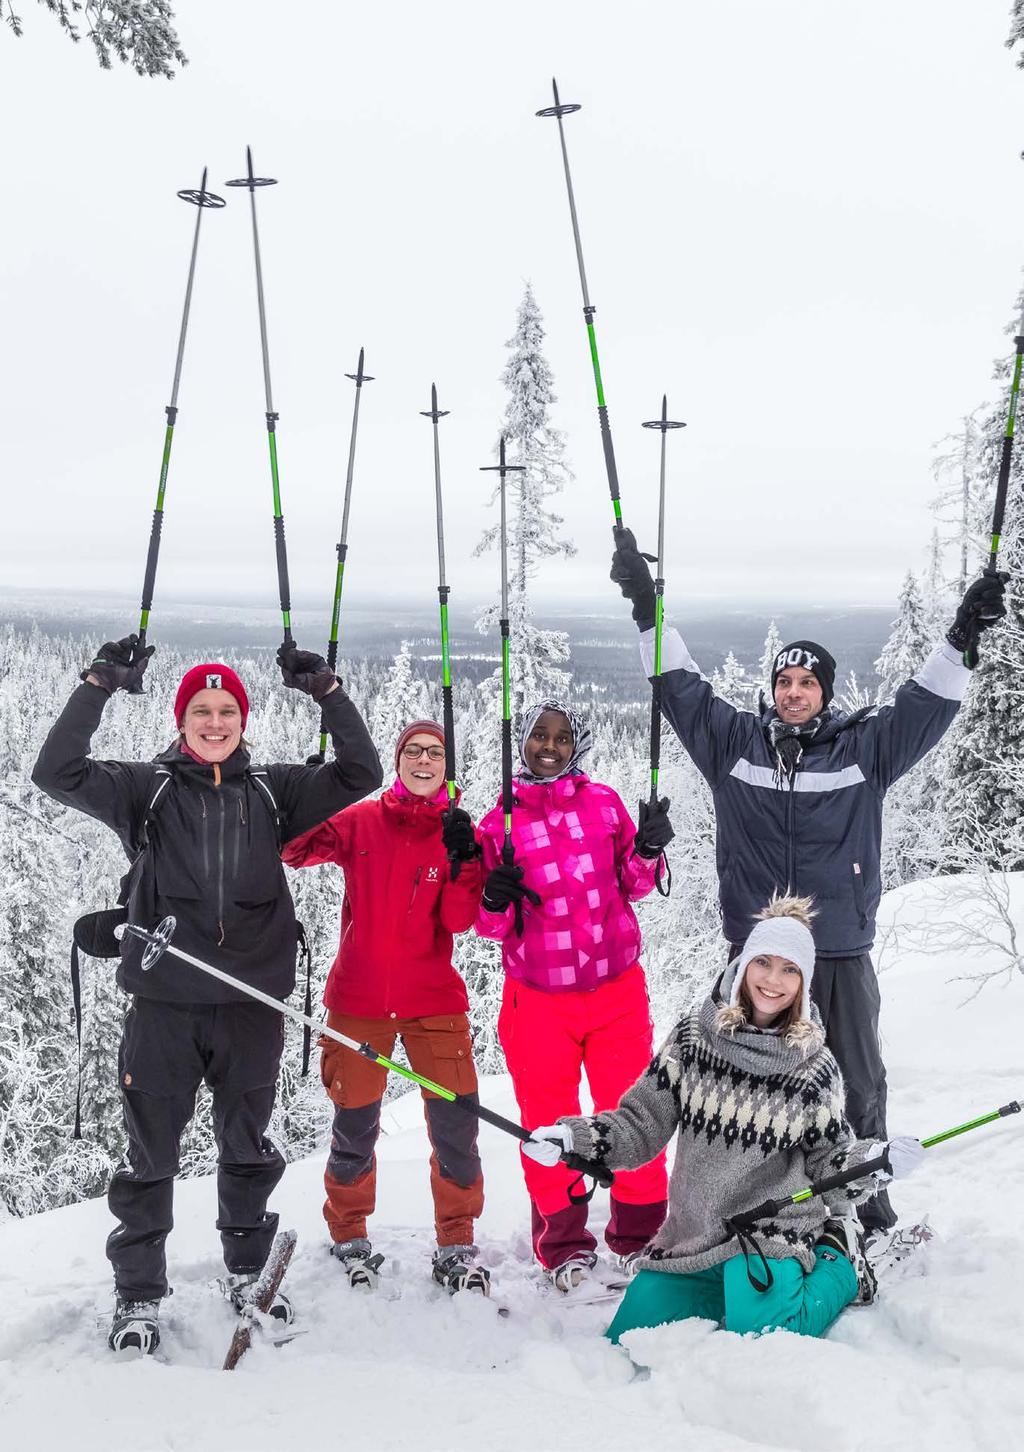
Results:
<point x="830" y="1182"/>
<point x="1002" y="485"/>
<point x="609" y="451"/>
<point x="655" y="728"/>
<point x="506" y="769"/>
<point x="448" y="722"/>
<point x="282" y="564"/>
<point x="149" y="583"/>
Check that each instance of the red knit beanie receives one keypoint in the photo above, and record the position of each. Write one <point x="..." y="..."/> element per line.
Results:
<point x="209" y="677"/>
<point x="414" y="728"/>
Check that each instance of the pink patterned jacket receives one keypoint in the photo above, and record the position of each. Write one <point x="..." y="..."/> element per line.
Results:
<point x="574" y="839"/>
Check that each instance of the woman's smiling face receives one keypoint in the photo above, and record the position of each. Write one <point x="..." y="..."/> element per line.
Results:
<point x="548" y="747"/>
<point x="773" y="985"/>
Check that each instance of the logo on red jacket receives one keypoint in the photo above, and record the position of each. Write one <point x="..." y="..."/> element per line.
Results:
<point x="433" y="874"/>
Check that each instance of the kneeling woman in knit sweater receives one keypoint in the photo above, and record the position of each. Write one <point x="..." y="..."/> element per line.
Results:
<point x="757" y="1100"/>
<point x="412" y="880"/>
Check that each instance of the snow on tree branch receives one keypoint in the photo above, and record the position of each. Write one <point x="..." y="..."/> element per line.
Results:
<point x="139" y="33"/>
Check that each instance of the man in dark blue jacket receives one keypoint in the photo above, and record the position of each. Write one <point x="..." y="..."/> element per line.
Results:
<point x="798" y="792"/>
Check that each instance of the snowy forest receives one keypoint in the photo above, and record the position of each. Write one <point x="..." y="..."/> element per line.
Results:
<point x="960" y="811"/>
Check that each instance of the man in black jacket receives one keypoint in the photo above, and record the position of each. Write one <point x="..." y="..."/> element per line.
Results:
<point x="202" y="829"/>
<point x="798" y="792"/>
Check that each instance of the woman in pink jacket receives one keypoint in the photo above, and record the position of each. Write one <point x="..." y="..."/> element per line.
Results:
<point x="575" y="996"/>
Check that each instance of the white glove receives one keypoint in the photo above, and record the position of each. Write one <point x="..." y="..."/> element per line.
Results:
<point x="547" y="1144"/>
<point x="905" y="1154"/>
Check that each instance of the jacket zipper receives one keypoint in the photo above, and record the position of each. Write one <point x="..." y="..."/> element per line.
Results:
<point x="220" y="856"/>
<point x="238" y="836"/>
<point x="790" y="835"/>
<point x="415" y="889"/>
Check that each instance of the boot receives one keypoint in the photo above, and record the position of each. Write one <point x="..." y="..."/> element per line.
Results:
<point x="361" y="1267"/>
<point x="238" y="1288"/>
<point x="572" y="1272"/>
<point x="455" y="1268"/>
<point x="846" y="1236"/>
<point x="135" y="1326"/>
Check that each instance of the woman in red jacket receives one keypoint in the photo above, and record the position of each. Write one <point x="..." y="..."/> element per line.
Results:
<point x="412" y="879"/>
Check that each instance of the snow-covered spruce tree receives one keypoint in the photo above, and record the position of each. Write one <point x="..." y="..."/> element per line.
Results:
<point x="912" y="828"/>
<point x="1016" y="35"/>
<point x="732" y="683"/>
<point x="963" y="501"/>
<point x="531" y="441"/>
<point x="402" y="698"/>
<point x="851" y="695"/>
<point x="908" y="644"/>
<point x="773" y="643"/>
<point x="938" y="596"/>
<point x="986" y="745"/>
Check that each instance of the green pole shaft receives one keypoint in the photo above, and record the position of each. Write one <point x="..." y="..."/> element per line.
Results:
<point x="358" y="378"/>
<point x="332" y="644"/>
<point x="279" y="541"/>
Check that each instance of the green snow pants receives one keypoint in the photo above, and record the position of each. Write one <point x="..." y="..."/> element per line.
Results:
<point x="798" y="1301"/>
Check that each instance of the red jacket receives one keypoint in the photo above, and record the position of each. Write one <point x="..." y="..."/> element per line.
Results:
<point x="400" y="910"/>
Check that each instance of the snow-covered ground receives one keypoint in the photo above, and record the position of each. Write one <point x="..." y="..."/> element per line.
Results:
<point x="936" y="1363"/>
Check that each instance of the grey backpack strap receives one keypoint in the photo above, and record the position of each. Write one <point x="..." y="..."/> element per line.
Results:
<point x="260" y="778"/>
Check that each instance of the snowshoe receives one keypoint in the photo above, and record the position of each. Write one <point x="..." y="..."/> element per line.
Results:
<point x="135" y="1326"/>
<point x="888" y="1249"/>
<point x="238" y="1289"/>
<point x="455" y="1268"/>
<point x="361" y="1267"/>
<point x="572" y="1272"/>
<point x="846" y="1237"/>
<point x="626" y="1264"/>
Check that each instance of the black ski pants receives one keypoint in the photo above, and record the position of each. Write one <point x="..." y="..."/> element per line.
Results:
<point x="845" y="991"/>
<point x="167" y="1051"/>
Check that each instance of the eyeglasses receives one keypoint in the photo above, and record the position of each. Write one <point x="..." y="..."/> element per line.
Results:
<point x="413" y="750"/>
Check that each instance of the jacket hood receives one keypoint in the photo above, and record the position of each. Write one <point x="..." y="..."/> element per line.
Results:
<point x="750" y="1047"/>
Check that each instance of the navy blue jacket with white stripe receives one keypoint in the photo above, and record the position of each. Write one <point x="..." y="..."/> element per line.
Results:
<point x="820" y="832"/>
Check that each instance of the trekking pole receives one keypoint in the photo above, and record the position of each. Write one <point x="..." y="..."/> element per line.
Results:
<point x="443" y="590"/>
<point x="199" y="199"/>
<point x="358" y="378"/>
<point x="558" y="110"/>
<point x="742" y="1225"/>
<point x="1003" y="479"/>
<point x="508" y="855"/>
<point x="252" y="182"/>
<point x="664" y="424"/>
<point x="159" y="942"/>
<point x="866" y="1167"/>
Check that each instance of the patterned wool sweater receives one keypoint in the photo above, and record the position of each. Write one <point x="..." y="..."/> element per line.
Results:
<point x="759" y="1117"/>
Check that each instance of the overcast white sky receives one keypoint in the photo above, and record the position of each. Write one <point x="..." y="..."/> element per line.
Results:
<point x="803" y="220"/>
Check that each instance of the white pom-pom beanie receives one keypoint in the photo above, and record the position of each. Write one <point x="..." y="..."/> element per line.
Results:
<point x="782" y="937"/>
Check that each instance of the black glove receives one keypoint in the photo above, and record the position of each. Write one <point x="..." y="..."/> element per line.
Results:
<point x="120" y="665"/>
<point x="459" y="838"/>
<point x="654" y="831"/>
<point x="504" y="888"/>
<point x="304" y="670"/>
<point x="629" y="571"/>
<point x="981" y="607"/>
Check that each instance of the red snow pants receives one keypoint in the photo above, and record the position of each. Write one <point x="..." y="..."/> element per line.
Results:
<point x="548" y="1039"/>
